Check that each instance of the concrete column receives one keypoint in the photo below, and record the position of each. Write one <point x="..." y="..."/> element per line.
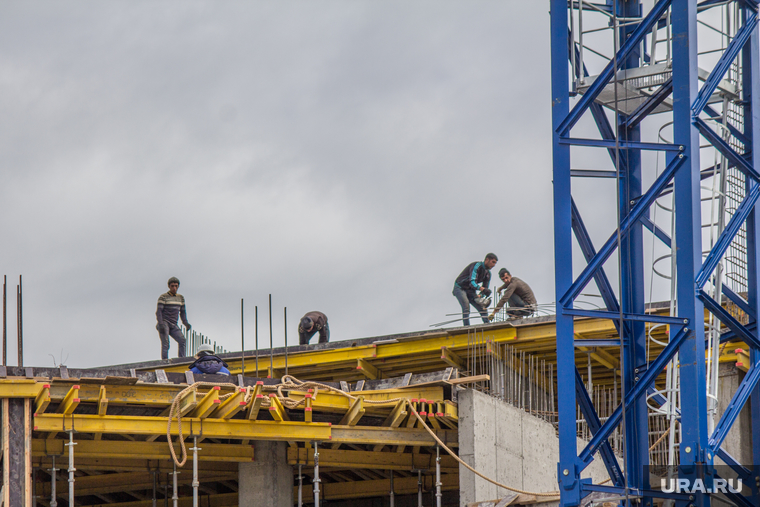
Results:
<point x="268" y="481"/>
<point x="17" y="452"/>
<point x="510" y="446"/>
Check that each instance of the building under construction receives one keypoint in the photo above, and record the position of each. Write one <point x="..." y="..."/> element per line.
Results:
<point x="378" y="420"/>
<point x="606" y="402"/>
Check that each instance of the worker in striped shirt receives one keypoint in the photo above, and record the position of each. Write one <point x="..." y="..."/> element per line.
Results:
<point x="171" y="307"/>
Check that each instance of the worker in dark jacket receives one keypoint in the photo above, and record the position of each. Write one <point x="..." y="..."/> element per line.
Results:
<point x="310" y="324"/>
<point x="517" y="294"/>
<point x="471" y="287"/>
<point x="170" y="307"/>
<point x="207" y="362"/>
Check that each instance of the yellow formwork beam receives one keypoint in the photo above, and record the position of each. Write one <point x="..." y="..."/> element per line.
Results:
<point x="276" y="410"/>
<point x="70" y="401"/>
<point x="140" y="394"/>
<point x="450" y="358"/>
<point x="355" y="412"/>
<point x="326" y="401"/>
<point x="20" y="388"/>
<point x="208" y="404"/>
<point x="394" y="420"/>
<point x="133" y="464"/>
<point x="308" y="411"/>
<point x="369" y="371"/>
<point x="43" y="399"/>
<point x="219" y="500"/>
<point x="391" y="436"/>
<point x="102" y="401"/>
<point x="371" y="460"/>
<point x="120" y="482"/>
<point x="742" y="359"/>
<point x="111" y="449"/>
<point x="254" y="404"/>
<point x="324" y="359"/>
<point x="231" y="406"/>
<point x="207" y="428"/>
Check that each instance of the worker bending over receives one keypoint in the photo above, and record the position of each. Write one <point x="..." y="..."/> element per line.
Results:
<point x="310" y="324"/>
<point x="518" y="294"/>
<point x="472" y="280"/>
<point x="208" y="362"/>
<point x="170" y="307"/>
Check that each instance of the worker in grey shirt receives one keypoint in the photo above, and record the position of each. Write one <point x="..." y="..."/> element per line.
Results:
<point x="517" y="294"/>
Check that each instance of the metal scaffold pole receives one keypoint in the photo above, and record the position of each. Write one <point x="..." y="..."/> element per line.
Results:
<point x="316" y="480"/>
<point x="53" y="494"/>
<point x="196" y="482"/>
<point x="391" y="495"/>
<point x="438" y="476"/>
<point x="419" y="488"/>
<point x="175" y="496"/>
<point x="300" y="485"/>
<point x="71" y="469"/>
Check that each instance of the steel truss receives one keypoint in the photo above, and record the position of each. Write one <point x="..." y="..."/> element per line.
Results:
<point x="680" y="95"/>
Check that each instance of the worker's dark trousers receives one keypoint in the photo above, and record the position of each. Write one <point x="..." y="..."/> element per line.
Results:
<point x="467" y="298"/>
<point x="516" y="301"/>
<point x="303" y="338"/>
<point x="168" y="329"/>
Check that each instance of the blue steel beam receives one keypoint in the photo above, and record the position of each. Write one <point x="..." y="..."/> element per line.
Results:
<point x="688" y="222"/>
<point x="591" y="173"/>
<point x="592" y="419"/>
<point x="634" y="493"/>
<point x="634" y="350"/>
<point x="740" y="302"/>
<point x="587" y="247"/>
<point x="739" y="499"/>
<point x="737" y="467"/>
<point x="597" y="110"/>
<point x="712" y="113"/>
<point x="655" y="229"/>
<point x="727" y="236"/>
<point x="742" y="394"/>
<point x="632" y="317"/>
<point x="569" y="466"/>
<point x="623" y="145"/>
<point x="729" y="460"/>
<point x="641" y="387"/>
<point x="728" y="320"/>
<point x="649" y="105"/>
<point x="631" y="44"/>
<point x="609" y="246"/>
<point x="597" y="343"/>
<point x="725" y="61"/>
<point x="751" y="116"/>
<point x="726" y="150"/>
<point x="728" y="336"/>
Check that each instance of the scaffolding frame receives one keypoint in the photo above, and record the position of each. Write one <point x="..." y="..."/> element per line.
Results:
<point x="688" y="103"/>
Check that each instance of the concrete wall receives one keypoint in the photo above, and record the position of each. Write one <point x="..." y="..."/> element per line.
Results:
<point x="738" y="442"/>
<point x="510" y="446"/>
<point x="268" y="481"/>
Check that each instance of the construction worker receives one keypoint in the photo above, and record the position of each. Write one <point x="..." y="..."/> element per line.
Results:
<point x="474" y="280"/>
<point x="171" y="306"/>
<point x="208" y="362"/>
<point x="310" y="324"/>
<point x="517" y="294"/>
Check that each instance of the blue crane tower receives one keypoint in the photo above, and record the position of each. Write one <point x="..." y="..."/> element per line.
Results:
<point x="668" y="93"/>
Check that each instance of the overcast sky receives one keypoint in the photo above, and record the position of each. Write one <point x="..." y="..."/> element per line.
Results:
<point x="345" y="156"/>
